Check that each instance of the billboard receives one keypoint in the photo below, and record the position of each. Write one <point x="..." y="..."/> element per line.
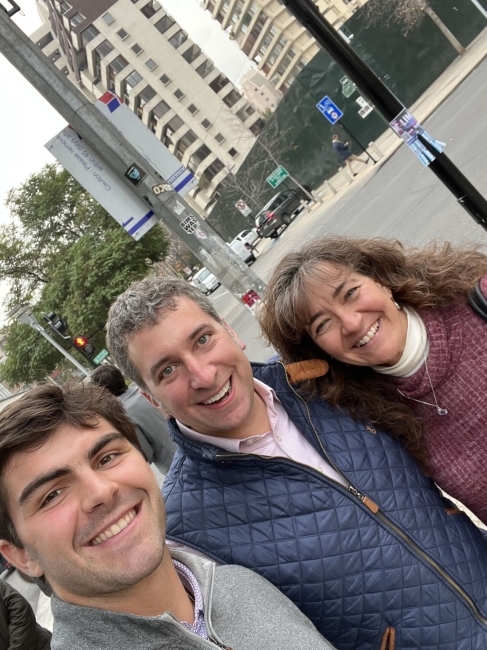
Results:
<point x="82" y="162"/>
<point x="151" y="148"/>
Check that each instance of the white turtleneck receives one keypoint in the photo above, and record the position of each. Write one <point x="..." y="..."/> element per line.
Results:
<point x="415" y="352"/>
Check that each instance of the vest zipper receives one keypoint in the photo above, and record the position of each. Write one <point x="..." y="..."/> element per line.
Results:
<point x="374" y="508"/>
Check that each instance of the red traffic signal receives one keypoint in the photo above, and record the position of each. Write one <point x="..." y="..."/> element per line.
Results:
<point x="83" y="345"/>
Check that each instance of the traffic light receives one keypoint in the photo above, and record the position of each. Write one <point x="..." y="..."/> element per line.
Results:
<point x="56" y="323"/>
<point x="82" y="344"/>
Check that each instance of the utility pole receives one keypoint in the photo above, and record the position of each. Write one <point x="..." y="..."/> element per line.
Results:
<point x="386" y="103"/>
<point x="111" y="146"/>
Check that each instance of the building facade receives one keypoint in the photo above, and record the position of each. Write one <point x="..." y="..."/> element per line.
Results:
<point x="271" y="37"/>
<point x="136" y="49"/>
<point x="258" y="89"/>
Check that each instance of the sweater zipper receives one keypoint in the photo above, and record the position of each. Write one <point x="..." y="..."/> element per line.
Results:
<point x="374" y="508"/>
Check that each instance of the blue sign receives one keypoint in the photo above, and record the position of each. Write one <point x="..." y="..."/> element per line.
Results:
<point x="329" y="110"/>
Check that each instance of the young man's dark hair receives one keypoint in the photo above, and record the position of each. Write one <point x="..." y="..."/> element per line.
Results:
<point x="27" y="423"/>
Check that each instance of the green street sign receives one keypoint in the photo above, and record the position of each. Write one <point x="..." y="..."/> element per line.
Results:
<point x="348" y="87"/>
<point x="277" y="176"/>
<point x="100" y="356"/>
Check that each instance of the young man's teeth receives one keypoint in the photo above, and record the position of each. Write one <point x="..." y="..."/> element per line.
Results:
<point x="369" y="336"/>
<point x="219" y="395"/>
<point x="115" y="529"/>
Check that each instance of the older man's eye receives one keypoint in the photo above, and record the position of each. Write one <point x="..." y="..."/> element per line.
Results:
<point x="168" y="370"/>
<point x="203" y="339"/>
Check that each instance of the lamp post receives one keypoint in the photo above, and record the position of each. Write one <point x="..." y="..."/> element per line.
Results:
<point x="24" y="314"/>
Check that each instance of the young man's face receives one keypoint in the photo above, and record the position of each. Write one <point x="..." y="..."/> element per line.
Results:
<point x="88" y="511"/>
<point x="195" y="368"/>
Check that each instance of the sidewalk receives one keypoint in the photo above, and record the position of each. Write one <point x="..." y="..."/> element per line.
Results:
<point x="388" y="143"/>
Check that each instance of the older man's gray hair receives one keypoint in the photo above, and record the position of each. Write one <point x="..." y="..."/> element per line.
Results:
<point x="141" y="306"/>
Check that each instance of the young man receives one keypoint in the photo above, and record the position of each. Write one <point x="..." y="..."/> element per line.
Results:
<point x="332" y="511"/>
<point x="80" y="510"/>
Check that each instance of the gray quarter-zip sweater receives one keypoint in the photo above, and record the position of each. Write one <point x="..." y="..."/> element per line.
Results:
<point x="242" y="612"/>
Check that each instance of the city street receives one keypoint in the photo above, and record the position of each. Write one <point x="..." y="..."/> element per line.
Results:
<point x="399" y="198"/>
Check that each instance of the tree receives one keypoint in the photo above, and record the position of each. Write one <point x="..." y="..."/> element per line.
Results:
<point x="64" y="253"/>
<point x="409" y="13"/>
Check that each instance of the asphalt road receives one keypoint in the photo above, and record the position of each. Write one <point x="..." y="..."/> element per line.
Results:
<point x="399" y="198"/>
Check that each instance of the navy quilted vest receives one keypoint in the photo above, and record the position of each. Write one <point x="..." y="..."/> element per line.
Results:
<point x="413" y="574"/>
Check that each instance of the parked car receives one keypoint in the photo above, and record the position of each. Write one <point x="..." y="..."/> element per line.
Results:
<point x="279" y="212"/>
<point x="243" y="250"/>
<point x="247" y="237"/>
<point x="205" y="281"/>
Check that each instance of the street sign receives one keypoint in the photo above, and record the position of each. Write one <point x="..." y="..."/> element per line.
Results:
<point x="104" y="185"/>
<point x="243" y="208"/>
<point x="100" y="356"/>
<point x="278" y="175"/>
<point x="329" y="110"/>
<point x="348" y="87"/>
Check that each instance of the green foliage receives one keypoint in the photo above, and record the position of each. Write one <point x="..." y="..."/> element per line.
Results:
<point x="64" y="253"/>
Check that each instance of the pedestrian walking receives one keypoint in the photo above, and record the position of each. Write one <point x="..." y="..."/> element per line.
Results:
<point x="344" y="154"/>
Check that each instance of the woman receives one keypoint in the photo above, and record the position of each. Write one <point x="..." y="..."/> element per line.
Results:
<point x="396" y="327"/>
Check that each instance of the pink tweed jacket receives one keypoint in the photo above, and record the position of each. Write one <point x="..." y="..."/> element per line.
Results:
<point x="457" y="363"/>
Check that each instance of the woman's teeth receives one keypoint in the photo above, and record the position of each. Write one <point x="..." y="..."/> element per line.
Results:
<point x="220" y="395"/>
<point x="369" y="336"/>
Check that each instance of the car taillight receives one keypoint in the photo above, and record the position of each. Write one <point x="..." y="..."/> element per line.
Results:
<point x="269" y="215"/>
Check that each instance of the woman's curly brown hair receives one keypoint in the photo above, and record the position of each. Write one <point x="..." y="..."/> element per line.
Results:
<point x="427" y="278"/>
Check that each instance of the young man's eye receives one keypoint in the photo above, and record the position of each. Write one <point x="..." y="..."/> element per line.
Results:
<point x="107" y="458"/>
<point x="51" y="496"/>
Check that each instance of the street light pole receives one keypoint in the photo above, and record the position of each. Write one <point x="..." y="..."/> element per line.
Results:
<point x="387" y="104"/>
<point x="25" y="315"/>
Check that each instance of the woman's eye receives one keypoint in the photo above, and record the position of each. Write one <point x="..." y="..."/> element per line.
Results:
<point x="350" y="292"/>
<point x="321" y="327"/>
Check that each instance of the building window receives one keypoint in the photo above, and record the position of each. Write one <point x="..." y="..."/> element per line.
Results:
<point x="245" y="112"/>
<point x="178" y="94"/>
<point x="219" y="138"/>
<point x="89" y="34"/>
<point x="206" y="124"/>
<point x="122" y="34"/>
<point x="165" y="79"/>
<point x="218" y="83"/>
<point x="156" y="113"/>
<point x="151" y="64"/>
<point x="99" y="53"/>
<point x="129" y="84"/>
<point x="76" y="20"/>
<point x="198" y="157"/>
<point x="178" y="39"/>
<point x="232" y="98"/>
<point x="205" y="68"/>
<point x="184" y="142"/>
<point x="164" y="24"/>
<point x="192" y="53"/>
<point x="64" y="7"/>
<point x="233" y="152"/>
<point x="193" y="109"/>
<point x="175" y="123"/>
<point x="150" y="8"/>
<point x="145" y="95"/>
<point x="108" y="18"/>
<point x="136" y="48"/>
<point x="45" y="40"/>
<point x="116" y="66"/>
<point x="212" y="170"/>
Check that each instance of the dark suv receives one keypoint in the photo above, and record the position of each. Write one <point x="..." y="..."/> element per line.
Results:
<point x="278" y="212"/>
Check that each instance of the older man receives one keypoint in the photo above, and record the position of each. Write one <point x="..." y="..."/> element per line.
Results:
<point x="80" y="509"/>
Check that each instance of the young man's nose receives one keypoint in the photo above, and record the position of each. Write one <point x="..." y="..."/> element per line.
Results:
<point x="97" y="489"/>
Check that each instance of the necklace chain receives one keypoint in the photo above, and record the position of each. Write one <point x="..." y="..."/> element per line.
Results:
<point x="439" y="409"/>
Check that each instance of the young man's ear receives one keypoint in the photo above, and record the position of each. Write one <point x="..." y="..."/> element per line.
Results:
<point x="234" y="335"/>
<point x="156" y="404"/>
<point x="20" y="559"/>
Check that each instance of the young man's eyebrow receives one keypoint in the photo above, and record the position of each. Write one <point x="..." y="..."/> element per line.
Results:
<point x="54" y="474"/>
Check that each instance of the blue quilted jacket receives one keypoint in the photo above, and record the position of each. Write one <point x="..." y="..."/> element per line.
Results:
<point x="387" y="564"/>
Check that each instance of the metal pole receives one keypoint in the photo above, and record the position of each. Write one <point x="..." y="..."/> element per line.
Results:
<point x="294" y="180"/>
<point x="109" y="143"/>
<point x="385" y="102"/>
<point x="479" y="7"/>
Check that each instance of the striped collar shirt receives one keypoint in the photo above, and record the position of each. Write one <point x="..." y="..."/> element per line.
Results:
<point x="283" y="440"/>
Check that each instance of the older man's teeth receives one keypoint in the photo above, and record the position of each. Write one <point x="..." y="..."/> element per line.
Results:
<point x="224" y="391"/>
<point x="369" y="336"/>
<point x="114" y="529"/>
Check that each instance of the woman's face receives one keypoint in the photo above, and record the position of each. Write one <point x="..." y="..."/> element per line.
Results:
<point x="354" y="318"/>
